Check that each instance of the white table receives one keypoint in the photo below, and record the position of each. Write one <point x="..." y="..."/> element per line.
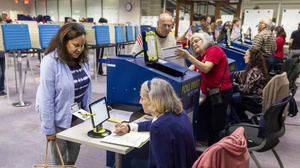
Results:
<point x="79" y="132"/>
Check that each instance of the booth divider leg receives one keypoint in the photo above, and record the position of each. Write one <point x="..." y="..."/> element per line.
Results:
<point x="21" y="103"/>
<point x="15" y="67"/>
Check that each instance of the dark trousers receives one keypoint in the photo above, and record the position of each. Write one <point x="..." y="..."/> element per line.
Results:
<point x="215" y="116"/>
<point x="2" y="72"/>
<point x="100" y="70"/>
<point x="240" y="104"/>
<point x="269" y="62"/>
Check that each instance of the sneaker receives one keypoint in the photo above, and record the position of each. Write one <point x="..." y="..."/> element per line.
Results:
<point x="2" y="94"/>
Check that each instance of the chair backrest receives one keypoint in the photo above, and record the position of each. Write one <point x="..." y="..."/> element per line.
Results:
<point x="292" y="68"/>
<point x="288" y="65"/>
<point x="277" y="88"/>
<point x="272" y="122"/>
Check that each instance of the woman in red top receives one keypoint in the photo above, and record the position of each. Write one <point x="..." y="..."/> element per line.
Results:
<point x="280" y="40"/>
<point x="210" y="61"/>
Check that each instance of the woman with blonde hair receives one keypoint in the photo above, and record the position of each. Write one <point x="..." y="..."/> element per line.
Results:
<point x="171" y="132"/>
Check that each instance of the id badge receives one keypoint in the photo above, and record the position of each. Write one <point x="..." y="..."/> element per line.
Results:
<point x="74" y="107"/>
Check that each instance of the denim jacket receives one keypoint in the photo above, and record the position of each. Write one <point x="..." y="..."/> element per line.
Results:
<point x="56" y="93"/>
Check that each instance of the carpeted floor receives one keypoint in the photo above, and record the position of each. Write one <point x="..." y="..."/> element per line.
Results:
<point x="22" y="143"/>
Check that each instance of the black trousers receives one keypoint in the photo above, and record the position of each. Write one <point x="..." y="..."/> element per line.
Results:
<point x="215" y="116"/>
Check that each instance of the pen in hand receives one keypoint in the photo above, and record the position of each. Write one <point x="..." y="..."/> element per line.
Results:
<point x="120" y="129"/>
<point x="86" y="114"/>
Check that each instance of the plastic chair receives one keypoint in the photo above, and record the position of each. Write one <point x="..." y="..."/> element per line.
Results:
<point x="264" y="136"/>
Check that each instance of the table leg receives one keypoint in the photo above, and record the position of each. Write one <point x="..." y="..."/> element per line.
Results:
<point x="118" y="160"/>
<point x="6" y="76"/>
<point x="95" y="63"/>
<point x="21" y="103"/>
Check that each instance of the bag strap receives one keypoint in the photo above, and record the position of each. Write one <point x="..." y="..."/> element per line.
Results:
<point x="59" y="153"/>
<point x="222" y="77"/>
<point x="224" y="71"/>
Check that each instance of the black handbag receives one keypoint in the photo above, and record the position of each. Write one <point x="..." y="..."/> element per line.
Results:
<point x="215" y="94"/>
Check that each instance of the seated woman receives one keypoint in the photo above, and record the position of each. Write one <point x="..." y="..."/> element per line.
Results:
<point x="212" y="63"/>
<point x="249" y="82"/>
<point x="171" y="131"/>
<point x="222" y="33"/>
<point x="280" y="41"/>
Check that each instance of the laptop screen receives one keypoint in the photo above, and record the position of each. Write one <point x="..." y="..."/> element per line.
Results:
<point x="100" y="111"/>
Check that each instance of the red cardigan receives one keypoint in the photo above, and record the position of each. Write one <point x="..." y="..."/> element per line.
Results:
<point x="279" y="47"/>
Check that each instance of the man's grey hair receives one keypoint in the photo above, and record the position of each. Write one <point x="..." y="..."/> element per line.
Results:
<point x="207" y="41"/>
<point x="268" y="22"/>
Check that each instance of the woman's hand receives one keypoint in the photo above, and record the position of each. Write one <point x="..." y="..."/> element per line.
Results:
<point x="51" y="137"/>
<point x="235" y="84"/>
<point x="121" y="129"/>
<point x="182" y="53"/>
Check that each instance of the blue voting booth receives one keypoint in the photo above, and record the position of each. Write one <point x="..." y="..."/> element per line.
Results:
<point x="119" y="34"/>
<point x="129" y="33"/>
<point x="46" y="32"/>
<point x="126" y="74"/>
<point x="16" y="38"/>
<point x="102" y="34"/>
<point x="136" y="31"/>
<point x="236" y="54"/>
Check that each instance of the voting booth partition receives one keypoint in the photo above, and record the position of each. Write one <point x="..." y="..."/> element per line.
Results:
<point x="16" y="38"/>
<point x="47" y="32"/>
<point x="136" y="32"/>
<point x="129" y="33"/>
<point x="102" y="34"/>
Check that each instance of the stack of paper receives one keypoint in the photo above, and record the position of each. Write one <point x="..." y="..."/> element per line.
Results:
<point x="168" y="53"/>
<point x="33" y="32"/>
<point x="120" y="114"/>
<point x="133" y="139"/>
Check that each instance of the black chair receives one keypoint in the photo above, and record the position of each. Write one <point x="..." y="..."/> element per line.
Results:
<point x="292" y="68"/>
<point x="264" y="136"/>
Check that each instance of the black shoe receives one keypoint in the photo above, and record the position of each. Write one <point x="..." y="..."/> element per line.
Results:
<point x="100" y="72"/>
<point x="3" y="94"/>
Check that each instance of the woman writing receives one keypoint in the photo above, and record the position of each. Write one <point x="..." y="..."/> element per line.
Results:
<point x="212" y="63"/>
<point x="249" y="82"/>
<point x="171" y="132"/>
<point x="64" y="80"/>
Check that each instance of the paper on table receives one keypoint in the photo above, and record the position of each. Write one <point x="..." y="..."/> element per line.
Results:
<point x="83" y="117"/>
<point x="168" y="53"/>
<point x="120" y="114"/>
<point x="132" y="139"/>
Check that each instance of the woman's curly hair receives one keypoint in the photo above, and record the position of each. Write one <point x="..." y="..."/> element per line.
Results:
<point x="256" y="60"/>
